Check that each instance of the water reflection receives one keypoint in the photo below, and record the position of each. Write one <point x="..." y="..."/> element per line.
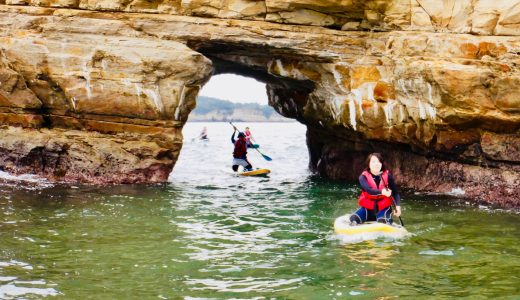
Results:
<point x="373" y="253"/>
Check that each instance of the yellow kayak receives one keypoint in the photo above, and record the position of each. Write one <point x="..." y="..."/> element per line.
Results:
<point x="257" y="172"/>
<point x="367" y="231"/>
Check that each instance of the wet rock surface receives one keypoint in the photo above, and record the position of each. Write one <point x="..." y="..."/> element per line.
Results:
<point x="488" y="182"/>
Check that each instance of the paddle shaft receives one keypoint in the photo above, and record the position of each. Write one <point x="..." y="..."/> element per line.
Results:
<point x="393" y="202"/>
<point x="394" y="205"/>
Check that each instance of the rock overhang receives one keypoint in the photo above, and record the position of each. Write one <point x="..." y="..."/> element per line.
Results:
<point x="433" y="92"/>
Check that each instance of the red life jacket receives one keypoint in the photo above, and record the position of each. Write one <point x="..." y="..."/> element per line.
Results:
<point x="368" y="201"/>
<point x="240" y="149"/>
<point x="248" y="136"/>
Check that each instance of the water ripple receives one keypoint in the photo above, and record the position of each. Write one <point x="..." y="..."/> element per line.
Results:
<point x="210" y="234"/>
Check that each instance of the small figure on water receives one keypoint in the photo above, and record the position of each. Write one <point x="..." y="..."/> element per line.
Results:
<point x="379" y="193"/>
<point x="249" y="138"/>
<point x="240" y="152"/>
<point x="204" y="134"/>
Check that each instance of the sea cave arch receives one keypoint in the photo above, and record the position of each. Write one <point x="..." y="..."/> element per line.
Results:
<point x="352" y="108"/>
<point x="297" y="88"/>
<point x="102" y="97"/>
<point x="288" y="95"/>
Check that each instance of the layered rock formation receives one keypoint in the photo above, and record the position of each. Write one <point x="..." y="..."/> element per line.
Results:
<point x="98" y="91"/>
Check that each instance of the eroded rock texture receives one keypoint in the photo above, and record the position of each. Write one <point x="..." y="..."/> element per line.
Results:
<point x="98" y="91"/>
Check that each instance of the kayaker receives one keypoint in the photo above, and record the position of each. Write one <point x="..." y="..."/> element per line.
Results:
<point x="249" y="137"/>
<point x="378" y="189"/>
<point x="240" y="152"/>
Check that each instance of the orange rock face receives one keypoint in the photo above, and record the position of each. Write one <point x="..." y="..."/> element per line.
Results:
<point x="434" y="83"/>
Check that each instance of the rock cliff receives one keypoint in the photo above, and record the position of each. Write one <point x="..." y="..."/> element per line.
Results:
<point x="98" y="91"/>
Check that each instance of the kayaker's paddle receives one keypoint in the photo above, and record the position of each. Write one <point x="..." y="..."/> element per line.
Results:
<point x="393" y="202"/>
<point x="263" y="155"/>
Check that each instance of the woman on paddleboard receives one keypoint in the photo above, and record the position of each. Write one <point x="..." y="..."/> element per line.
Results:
<point x="240" y="152"/>
<point x="379" y="192"/>
<point x="249" y="137"/>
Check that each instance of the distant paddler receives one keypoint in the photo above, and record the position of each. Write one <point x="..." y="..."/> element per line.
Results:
<point x="204" y="134"/>
<point x="249" y="139"/>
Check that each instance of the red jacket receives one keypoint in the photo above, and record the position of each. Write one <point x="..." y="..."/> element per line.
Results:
<point x="368" y="201"/>
<point x="240" y="149"/>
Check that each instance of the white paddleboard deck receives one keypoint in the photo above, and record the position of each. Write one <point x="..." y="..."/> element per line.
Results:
<point x="367" y="231"/>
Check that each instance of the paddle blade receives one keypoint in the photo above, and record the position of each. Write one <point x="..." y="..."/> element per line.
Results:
<point x="267" y="157"/>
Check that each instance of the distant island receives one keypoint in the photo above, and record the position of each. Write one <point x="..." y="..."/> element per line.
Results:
<point x="211" y="109"/>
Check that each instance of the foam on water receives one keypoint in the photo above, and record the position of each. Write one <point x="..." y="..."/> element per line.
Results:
<point x="8" y="291"/>
<point x="27" y="178"/>
<point x="434" y="252"/>
<point x="15" y="263"/>
<point x="367" y="236"/>
<point x="370" y="236"/>
<point x="457" y="192"/>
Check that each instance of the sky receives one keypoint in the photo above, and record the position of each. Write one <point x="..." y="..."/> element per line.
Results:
<point x="235" y="88"/>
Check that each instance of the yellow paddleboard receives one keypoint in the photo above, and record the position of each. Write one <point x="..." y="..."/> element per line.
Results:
<point x="257" y="172"/>
<point x="367" y="231"/>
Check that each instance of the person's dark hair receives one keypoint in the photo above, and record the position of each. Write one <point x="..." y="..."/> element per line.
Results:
<point x="241" y="134"/>
<point x="379" y="157"/>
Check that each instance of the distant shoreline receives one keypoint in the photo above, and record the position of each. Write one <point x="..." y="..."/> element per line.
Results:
<point x="242" y="121"/>
<point x="210" y="109"/>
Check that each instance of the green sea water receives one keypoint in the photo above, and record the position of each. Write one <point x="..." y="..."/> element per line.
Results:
<point x="209" y="234"/>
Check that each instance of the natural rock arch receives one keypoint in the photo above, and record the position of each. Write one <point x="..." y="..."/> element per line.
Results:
<point x="286" y="94"/>
<point x="102" y="97"/>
